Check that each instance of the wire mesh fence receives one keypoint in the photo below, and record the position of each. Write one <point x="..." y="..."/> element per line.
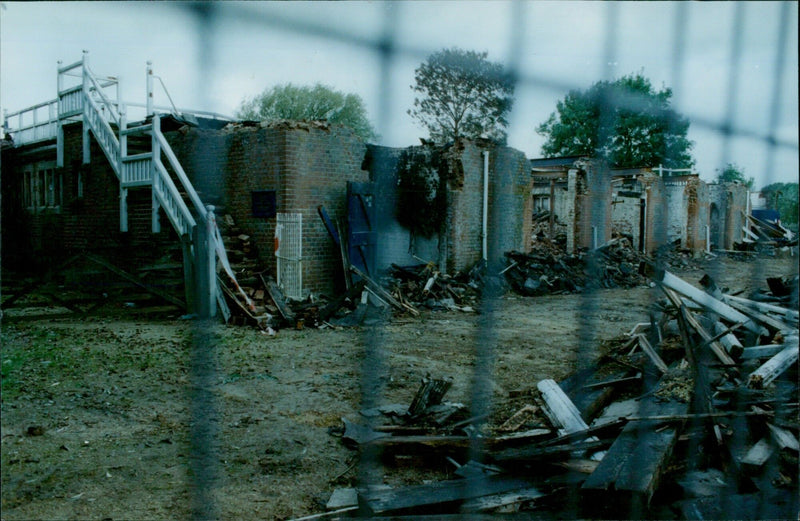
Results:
<point x="386" y="49"/>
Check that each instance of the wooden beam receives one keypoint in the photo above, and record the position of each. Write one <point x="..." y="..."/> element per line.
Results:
<point x="377" y="288"/>
<point x="651" y="353"/>
<point x="728" y="339"/>
<point x="134" y="280"/>
<point x="637" y="459"/>
<point x="773" y="368"/>
<point x="765" y="307"/>
<point x="722" y="309"/>
<point x="778" y="325"/>
<point x="407" y="499"/>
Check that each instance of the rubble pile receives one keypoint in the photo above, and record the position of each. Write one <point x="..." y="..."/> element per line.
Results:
<point x="424" y="285"/>
<point x="547" y="270"/>
<point x="691" y="415"/>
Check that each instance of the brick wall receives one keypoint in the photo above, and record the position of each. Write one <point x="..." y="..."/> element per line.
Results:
<point x="727" y="203"/>
<point x="625" y="213"/>
<point x="306" y="164"/>
<point x="89" y="223"/>
<point x="656" y="219"/>
<point x="590" y="213"/>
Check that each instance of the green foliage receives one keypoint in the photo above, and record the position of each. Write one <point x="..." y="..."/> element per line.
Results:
<point x="784" y="198"/>
<point x="734" y="173"/>
<point x="317" y="103"/>
<point x="462" y="94"/>
<point x="421" y="191"/>
<point x="625" y="121"/>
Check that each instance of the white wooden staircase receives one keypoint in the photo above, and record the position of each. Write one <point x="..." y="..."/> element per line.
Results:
<point x="158" y="169"/>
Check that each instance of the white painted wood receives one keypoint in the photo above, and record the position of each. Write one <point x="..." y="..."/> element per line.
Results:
<point x="784" y="438"/>
<point x="765" y="307"/>
<point x="704" y="299"/>
<point x="774" y="367"/>
<point x="758" y="453"/>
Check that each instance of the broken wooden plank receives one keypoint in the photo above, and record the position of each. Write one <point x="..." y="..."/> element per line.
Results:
<point x="773" y="368"/>
<point x="728" y="340"/>
<point x="514" y="456"/>
<point x="430" y="392"/>
<point x="783" y="438"/>
<point x="501" y="503"/>
<point x="560" y="409"/>
<point x="407" y="499"/>
<point x="765" y="307"/>
<point x="758" y="454"/>
<point x="715" y="346"/>
<point x="518" y="418"/>
<point x="277" y="297"/>
<point x="637" y="459"/>
<point x="385" y="295"/>
<point x="342" y="498"/>
<point x="617" y="381"/>
<point x="722" y="309"/>
<point x="651" y="353"/>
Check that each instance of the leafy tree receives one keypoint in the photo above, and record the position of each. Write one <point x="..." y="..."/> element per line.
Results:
<point x="316" y="103"/>
<point x="462" y="94"/>
<point x="732" y="173"/>
<point x="625" y="121"/>
<point x="784" y="198"/>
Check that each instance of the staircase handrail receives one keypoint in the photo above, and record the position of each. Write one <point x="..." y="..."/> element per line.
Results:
<point x="109" y="134"/>
<point x="177" y="168"/>
<point x="186" y="214"/>
<point x="99" y="90"/>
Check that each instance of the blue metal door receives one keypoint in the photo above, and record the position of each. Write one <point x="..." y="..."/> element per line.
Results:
<point x="361" y="226"/>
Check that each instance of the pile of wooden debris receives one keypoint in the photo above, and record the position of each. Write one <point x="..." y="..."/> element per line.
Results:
<point x="691" y="415"/>
<point x="547" y="270"/>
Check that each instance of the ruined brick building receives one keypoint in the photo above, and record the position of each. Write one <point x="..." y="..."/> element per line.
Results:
<point x="651" y="206"/>
<point x="81" y="174"/>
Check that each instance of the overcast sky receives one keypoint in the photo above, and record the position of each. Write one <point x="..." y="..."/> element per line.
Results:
<point x="213" y="57"/>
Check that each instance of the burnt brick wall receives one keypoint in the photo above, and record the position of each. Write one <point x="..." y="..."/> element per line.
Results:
<point x="590" y="184"/>
<point x="509" y="212"/>
<point x="319" y="163"/>
<point x="730" y="200"/>
<point x="394" y="242"/>
<point x="89" y="223"/>
<point x="465" y="211"/>
<point x="307" y="166"/>
<point x="655" y="211"/>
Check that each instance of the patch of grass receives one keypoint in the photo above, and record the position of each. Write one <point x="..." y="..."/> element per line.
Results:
<point x="39" y="356"/>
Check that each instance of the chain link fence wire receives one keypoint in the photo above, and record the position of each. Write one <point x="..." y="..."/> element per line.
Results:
<point x="388" y="49"/>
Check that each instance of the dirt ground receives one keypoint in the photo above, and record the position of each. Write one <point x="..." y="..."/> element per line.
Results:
<point x="96" y="412"/>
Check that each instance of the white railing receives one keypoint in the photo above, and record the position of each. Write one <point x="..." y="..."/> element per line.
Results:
<point x="70" y="102"/>
<point x="103" y="133"/>
<point x="160" y="144"/>
<point x="171" y="201"/>
<point x="33" y="124"/>
<point x="100" y="114"/>
<point x="137" y="170"/>
<point x="662" y="171"/>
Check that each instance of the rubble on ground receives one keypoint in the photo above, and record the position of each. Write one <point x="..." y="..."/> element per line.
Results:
<point x="692" y="414"/>
<point x="547" y="270"/>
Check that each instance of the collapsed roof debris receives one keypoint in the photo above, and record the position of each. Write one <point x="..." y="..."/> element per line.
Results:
<point x="675" y="419"/>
